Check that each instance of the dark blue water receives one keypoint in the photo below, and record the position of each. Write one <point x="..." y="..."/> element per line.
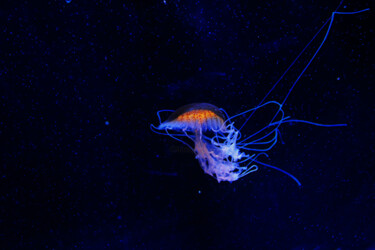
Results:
<point x="81" y="82"/>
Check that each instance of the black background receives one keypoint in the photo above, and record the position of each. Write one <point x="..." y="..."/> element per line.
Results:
<point x="81" y="83"/>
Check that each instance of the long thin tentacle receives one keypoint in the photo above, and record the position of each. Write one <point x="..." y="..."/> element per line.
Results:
<point x="279" y="169"/>
<point x="317" y="50"/>
<point x="290" y="66"/>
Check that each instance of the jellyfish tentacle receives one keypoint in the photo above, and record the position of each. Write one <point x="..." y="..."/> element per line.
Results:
<point x="163" y="110"/>
<point x="244" y="142"/>
<point x="253" y="167"/>
<point x="247" y="158"/>
<point x="260" y="149"/>
<point x="276" y="124"/>
<point x="225" y="112"/>
<point x="320" y="46"/>
<point x="264" y="128"/>
<point x="160" y="131"/>
<point x="330" y="21"/>
<point x="280" y="170"/>
<point x="259" y="141"/>
<point x="256" y="108"/>
<point x="289" y="67"/>
<point x="179" y="140"/>
<point x="267" y="147"/>
<point x="189" y="136"/>
<point x="314" y="123"/>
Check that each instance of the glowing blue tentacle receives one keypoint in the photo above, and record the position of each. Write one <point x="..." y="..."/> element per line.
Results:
<point x="279" y="134"/>
<point x="279" y="169"/>
<point x="249" y="157"/>
<point x="290" y="66"/>
<point x="239" y="135"/>
<point x="158" y="131"/>
<point x="191" y="137"/>
<point x="277" y="124"/>
<point x="254" y="134"/>
<point x="256" y="142"/>
<point x="163" y="110"/>
<point x="255" y="108"/>
<point x="261" y="149"/>
<point x="250" y="170"/>
<point x="225" y="112"/>
<point x="258" y="139"/>
<point x="350" y="13"/>
<point x="271" y="124"/>
<point x="154" y="129"/>
<point x="318" y="49"/>
<point x="220" y="137"/>
<point x="248" y="145"/>
<point x="313" y="123"/>
<point x="166" y="130"/>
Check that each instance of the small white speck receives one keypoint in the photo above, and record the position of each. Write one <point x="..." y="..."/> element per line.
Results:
<point x="199" y="192"/>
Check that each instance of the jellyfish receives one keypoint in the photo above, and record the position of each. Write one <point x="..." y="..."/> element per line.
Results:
<point x="219" y="154"/>
<point x="220" y="147"/>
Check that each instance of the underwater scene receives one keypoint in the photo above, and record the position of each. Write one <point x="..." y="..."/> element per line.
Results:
<point x="171" y="124"/>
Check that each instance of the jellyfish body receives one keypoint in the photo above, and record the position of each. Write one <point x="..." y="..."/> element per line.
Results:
<point x="218" y="144"/>
<point x="194" y="120"/>
<point x="214" y="157"/>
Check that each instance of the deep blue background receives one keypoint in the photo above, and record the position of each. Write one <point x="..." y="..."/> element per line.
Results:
<point x="81" y="83"/>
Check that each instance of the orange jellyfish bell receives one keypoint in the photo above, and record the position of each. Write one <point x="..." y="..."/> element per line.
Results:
<point x="195" y="117"/>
